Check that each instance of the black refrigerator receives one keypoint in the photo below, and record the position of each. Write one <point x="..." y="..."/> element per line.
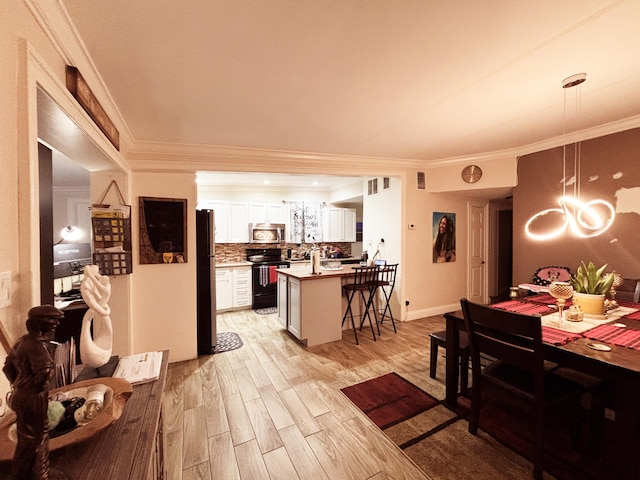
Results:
<point x="206" y="281"/>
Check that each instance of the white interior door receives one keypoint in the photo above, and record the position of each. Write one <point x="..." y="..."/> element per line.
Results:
<point x="477" y="291"/>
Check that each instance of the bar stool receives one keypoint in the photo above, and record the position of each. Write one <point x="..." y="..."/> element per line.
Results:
<point x="363" y="283"/>
<point x="439" y="339"/>
<point x="386" y="278"/>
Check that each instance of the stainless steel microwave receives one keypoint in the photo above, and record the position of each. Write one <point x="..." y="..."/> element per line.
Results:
<point x="266" y="232"/>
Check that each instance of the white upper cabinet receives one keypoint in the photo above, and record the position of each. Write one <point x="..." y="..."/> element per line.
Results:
<point x="349" y="223"/>
<point x="266" y="213"/>
<point x="232" y="225"/>
<point x="339" y="225"/>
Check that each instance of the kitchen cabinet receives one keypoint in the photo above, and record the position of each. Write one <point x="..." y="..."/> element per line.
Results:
<point x="339" y="225"/>
<point x="310" y="307"/>
<point x="294" y="307"/>
<point x="282" y="301"/>
<point x="266" y="213"/>
<point x="242" y="287"/>
<point x="232" y="224"/>
<point x="224" y="289"/>
<point x="233" y="287"/>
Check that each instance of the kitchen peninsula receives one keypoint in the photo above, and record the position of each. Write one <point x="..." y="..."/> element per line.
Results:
<point x="311" y="306"/>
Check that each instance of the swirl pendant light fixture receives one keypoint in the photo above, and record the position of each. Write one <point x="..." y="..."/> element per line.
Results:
<point x="583" y="219"/>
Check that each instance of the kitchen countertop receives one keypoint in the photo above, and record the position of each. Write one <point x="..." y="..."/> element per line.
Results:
<point x="233" y="264"/>
<point x="302" y="272"/>
<point x="342" y="259"/>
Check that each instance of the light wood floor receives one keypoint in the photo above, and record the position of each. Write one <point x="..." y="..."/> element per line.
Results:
<point x="273" y="408"/>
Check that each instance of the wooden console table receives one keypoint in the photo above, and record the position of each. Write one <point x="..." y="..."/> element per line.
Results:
<point x="131" y="448"/>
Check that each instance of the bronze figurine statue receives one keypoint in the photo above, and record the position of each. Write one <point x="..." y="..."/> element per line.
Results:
<point x="28" y="367"/>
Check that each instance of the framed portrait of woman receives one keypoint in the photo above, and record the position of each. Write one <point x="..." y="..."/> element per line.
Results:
<point x="444" y="237"/>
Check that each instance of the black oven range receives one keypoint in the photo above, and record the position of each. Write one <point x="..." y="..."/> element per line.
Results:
<point x="264" y="278"/>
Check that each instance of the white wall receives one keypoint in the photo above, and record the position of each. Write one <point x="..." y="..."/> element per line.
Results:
<point x="382" y="219"/>
<point x="432" y="288"/>
<point x="164" y="295"/>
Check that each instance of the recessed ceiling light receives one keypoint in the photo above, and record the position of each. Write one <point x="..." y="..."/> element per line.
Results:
<point x="266" y="182"/>
<point x="315" y="183"/>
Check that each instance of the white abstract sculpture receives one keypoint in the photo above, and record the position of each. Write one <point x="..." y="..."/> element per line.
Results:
<point x="95" y="350"/>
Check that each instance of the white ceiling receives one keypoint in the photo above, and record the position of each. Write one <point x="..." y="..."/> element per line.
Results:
<point x="410" y="79"/>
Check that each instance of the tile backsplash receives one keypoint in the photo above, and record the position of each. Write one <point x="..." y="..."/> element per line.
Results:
<point x="236" y="252"/>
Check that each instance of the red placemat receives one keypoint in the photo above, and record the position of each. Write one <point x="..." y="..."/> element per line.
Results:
<point x="558" y="337"/>
<point x="624" y="337"/>
<point x="525" y="308"/>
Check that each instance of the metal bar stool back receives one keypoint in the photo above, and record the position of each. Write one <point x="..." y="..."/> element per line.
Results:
<point x="364" y="279"/>
<point x="386" y="282"/>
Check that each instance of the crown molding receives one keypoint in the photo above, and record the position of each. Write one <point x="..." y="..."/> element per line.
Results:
<point x="159" y="156"/>
<point x="558" y="141"/>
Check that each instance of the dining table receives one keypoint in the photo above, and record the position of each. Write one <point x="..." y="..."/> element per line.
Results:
<point x="606" y="347"/>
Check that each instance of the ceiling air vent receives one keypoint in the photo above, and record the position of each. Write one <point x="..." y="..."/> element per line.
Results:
<point x="421" y="181"/>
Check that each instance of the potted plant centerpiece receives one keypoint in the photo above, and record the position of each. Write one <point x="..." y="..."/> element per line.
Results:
<point x="590" y="285"/>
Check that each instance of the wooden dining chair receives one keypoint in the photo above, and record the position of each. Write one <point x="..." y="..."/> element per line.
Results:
<point x="439" y="339"/>
<point x="515" y="342"/>
<point x="364" y="285"/>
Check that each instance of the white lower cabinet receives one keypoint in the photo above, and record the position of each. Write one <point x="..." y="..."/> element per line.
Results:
<point x="224" y="289"/>
<point x="282" y="300"/>
<point x="233" y="288"/>
<point x="311" y="309"/>
<point x="294" y="304"/>
<point x="242" y="287"/>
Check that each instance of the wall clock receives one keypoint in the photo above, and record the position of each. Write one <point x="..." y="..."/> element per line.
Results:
<point x="471" y="173"/>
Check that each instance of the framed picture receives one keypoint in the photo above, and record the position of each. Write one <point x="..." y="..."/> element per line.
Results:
<point x="163" y="230"/>
<point x="444" y="237"/>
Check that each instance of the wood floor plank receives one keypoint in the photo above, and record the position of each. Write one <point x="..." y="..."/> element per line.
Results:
<point x="173" y="454"/>
<point x="226" y="378"/>
<point x="355" y="454"/>
<point x="258" y="373"/>
<point x="173" y="400"/>
<point x="288" y="369"/>
<point x="245" y="383"/>
<point x="239" y="423"/>
<point x="329" y="457"/>
<point x="263" y="427"/>
<point x="192" y="384"/>
<point x="302" y="456"/>
<point x="214" y="408"/>
<point x="300" y="413"/>
<point x="275" y="376"/>
<point x="250" y="461"/>
<point x="208" y="372"/>
<point x="278" y="411"/>
<point x="309" y="396"/>
<point x="279" y="465"/>
<point x="195" y="437"/>
<point x="197" y="472"/>
<point x="223" y="464"/>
